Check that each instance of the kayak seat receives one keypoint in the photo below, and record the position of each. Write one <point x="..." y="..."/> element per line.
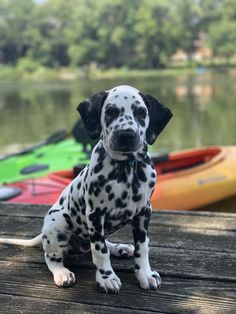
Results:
<point x="34" y="168"/>
<point x="179" y="168"/>
<point x="160" y="158"/>
<point x="81" y="136"/>
<point x="7" y="193"/>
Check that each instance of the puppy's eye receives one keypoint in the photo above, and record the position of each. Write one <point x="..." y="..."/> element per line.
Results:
<point x="141" y="113"/>
<point x="112" y="112"/>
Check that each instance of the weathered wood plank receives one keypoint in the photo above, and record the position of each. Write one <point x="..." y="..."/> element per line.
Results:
<point x="195" y="220"/>
<point x="177" y="295"/>
<point x="160" y="235"/>
<point x="190" y="219"/>
<point x="184" y="238"/>
<point x="14" y="304"/>
<point x="25" y="210"/>
<point x="28" y="226"/>
<point x="31" y="305"/>
<point x="171" y="262"/>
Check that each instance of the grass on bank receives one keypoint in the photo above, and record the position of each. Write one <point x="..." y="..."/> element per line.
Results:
<point x="27" y="69"/>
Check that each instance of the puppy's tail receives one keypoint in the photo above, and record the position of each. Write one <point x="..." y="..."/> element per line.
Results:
<point x="32" y="242"/>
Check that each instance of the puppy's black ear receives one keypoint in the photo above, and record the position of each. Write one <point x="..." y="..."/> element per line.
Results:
<point x="159" y="116"/>
<point x="90" y="112"/>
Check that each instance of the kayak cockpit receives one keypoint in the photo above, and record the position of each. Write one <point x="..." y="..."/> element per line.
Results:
<point x="189" y="160"/>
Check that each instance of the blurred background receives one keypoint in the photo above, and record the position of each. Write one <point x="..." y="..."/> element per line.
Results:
<point x="55" y="53"/>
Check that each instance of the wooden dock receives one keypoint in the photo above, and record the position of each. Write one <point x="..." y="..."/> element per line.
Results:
<point x="195" y="253"/>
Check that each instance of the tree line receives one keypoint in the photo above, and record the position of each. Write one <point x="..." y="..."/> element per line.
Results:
<point x="113" y="33"/>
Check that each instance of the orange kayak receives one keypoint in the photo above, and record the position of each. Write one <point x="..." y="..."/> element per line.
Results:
<point x="187" y="180"/>
<point x="195" y="178"/>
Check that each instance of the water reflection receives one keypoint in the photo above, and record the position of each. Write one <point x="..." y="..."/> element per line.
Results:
<point x="203" y="106"/>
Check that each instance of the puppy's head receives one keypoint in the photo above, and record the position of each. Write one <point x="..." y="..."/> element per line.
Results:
<point x="124" y="118"/>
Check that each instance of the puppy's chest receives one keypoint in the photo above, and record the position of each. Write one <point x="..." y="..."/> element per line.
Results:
<point x="121" y="187"/>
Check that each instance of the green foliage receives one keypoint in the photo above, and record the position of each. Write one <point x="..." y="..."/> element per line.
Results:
<point x="105" y="34"/>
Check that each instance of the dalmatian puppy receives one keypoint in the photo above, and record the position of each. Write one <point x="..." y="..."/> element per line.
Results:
<point x="111" y="191"/>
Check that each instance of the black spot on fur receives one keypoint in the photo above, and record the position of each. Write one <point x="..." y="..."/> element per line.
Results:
<point x="111" y="196"/>
<point x="95" y="237"/>
<point x="61" y="201"/>
<point x="135" y="185"/>
<point x="98" y="167"/>
<point x="104" y="250"/>
<point x="102" y="154"/>
<point x="142" y="236"/>
<point x="152" y="184"/>
<point x="97" y="192"/>
<point x="81" y="202"/>
<point x="61" y="237"/>
<point x="136" y="266"/>
<point x="128" y="213"/>
<point x="73" y="211"/>
<point x="108" y="188"/>
<point x="111" y="114"/>
<point x="124" y="195"/>
<point x="140" y="172"/>
<point x="90" y="203"/>
<point x="78" y="220"/>
<point x="68" y="220"/>
<point x="63" y="245"/>
<point x="97" y="247"/>
<point x="147" y="219"/>
<point x="76" y="206"/>
<point x="91" y="188"/>
<point x="78" y="231"/>
<point x="53" y="211"/>
<point x="101" y="180"/>
<point x="120" y="204"/>
<point x="136" y="254"/>
<point x="107" y="224"/>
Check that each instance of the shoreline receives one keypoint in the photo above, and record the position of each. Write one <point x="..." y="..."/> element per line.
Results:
<point x="9" y="73"/>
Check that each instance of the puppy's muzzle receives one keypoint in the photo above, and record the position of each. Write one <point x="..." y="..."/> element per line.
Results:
<point x="126" y="140"/>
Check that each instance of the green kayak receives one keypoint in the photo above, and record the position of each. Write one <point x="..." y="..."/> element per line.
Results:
<point x="42" y="159"/>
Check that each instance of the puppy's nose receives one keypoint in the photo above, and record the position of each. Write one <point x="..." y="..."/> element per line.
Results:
<point x="127" y="134"/>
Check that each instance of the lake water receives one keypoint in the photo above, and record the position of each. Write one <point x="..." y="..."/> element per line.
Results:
<point x="204" y="108"/>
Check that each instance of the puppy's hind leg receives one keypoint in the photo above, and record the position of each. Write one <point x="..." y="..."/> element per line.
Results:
<point x="120" y="250"/>
<point x="55" y="247"/>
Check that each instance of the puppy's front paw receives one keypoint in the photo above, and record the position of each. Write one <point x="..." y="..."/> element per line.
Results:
<point x="148" y="279"/>
<point x="64" y="278"/>
<point x="107" y="281"/>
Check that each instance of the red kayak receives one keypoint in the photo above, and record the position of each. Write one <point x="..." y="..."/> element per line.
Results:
<point x="187" y="180"/>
